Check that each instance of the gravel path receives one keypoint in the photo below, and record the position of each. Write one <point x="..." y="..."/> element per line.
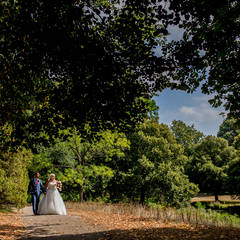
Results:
<point x="56" y="227"/>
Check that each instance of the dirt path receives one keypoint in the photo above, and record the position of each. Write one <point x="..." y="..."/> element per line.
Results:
<point x="81" y="224"/>
<point x="56" y="227"/>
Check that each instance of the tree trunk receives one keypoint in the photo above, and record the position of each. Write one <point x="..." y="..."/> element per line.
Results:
<point x="216" y="197"/>
<point x="80" y="193"/>
<point x="142" y="196"/>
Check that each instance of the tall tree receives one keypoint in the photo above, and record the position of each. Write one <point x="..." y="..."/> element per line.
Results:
<point x="158" y="161"/>
<point x="186" y="135"/>
<point x="233" y="183"/>
<point x="210" y="161"/>
<point x="228" y="130"/>
<point x="82" y="165"/>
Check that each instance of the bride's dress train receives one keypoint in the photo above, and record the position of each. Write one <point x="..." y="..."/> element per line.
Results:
<point x="52" y="202"/>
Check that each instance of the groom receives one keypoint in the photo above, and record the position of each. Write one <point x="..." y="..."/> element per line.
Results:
<point x="35" y="187"/>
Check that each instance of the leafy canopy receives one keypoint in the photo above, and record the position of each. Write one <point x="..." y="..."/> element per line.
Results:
<point x="228" y="130"/>
<point x="68" y="63"/>
<point x="209" y="49"/>
<point x="210" y="160"/>
<point x="158" y="172"/>
<point x="186" y="135"/>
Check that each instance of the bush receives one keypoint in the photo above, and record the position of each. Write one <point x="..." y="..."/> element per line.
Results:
<point x="14" y="177"/>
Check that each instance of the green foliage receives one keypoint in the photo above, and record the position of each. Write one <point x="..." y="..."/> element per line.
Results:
<point x="228" y="130"/>
<point x="236" y="142"/>
<point x="208" y="217"/>
<point x="81" y="164"/>
<point x="233" y="182"/>
<point x="208" y="51"/>
<point x="152" y="109"/>
<point x="13" y="169"/>
<point x="210" y="161"/>
<point x="148" y="166"/>
<point x="186" y="135"/>
<point x="67" y="63"/>
<point x="14" y="177"/>
<point x="158" y="166"/>
<point x="199" y="205"/>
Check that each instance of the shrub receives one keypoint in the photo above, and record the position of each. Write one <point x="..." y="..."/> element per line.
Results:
<point x="14" y="177"/>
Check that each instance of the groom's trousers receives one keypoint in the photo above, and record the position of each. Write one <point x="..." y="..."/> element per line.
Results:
<point x="35" y="202"/>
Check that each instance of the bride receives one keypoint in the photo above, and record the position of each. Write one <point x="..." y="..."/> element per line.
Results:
<point x="52" y="202"/>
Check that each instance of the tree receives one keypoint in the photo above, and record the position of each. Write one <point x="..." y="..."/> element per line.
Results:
<point x="228" y="130"/>
<point x="65" y="64"/>
<point x="152" y="109"/>
<point x="158" y="166"/>
<point x="82" y="165"/>
<point x="208" y="51"/>
<point x="13" y="170"/>
<point x="236" y="142"/>
<point x="233" y="183"/>
<point x="69" y="63"/>
<point x="209" y="165"/>
<point x="186" y="135"/>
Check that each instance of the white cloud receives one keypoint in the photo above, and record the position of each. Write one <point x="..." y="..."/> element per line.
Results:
<point x="198" y="112"/>
<point x="202" y="113"/>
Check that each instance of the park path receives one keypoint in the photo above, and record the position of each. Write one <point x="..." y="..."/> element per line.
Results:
<point x="57" y="227"/>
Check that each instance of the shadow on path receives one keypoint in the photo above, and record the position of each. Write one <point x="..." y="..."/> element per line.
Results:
<point x="149" y="234"/>
<point x="56" y="227"/>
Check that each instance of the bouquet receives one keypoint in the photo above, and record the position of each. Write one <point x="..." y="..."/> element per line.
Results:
<point x="59" y="185"/>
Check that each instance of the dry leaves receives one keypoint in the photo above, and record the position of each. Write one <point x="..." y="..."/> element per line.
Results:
<point x="123" y="227"/>
<point x="11" y="226"/>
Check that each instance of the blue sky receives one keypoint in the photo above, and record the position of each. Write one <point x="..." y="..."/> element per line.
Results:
<point x="190" y="108"/>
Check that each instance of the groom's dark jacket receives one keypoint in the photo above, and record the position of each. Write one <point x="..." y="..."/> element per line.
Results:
<point x="35" y="186"/>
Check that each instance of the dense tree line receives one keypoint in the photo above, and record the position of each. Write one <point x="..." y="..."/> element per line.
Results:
<point x="146" y="165"/>
<point x="213" y="164"/>
<point x="76" y="83"/>
<point x="152" y="164"/>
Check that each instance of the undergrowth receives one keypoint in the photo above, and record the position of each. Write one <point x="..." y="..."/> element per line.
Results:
<point x="191" y="215"/>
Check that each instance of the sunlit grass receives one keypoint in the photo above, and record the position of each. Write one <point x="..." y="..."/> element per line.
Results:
<point x="5" y="210"/>
<point x="191" y="215"/>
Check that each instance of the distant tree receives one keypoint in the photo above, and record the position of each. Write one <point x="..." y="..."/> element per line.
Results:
<point x="210" y="161"/>
<point x="228" y="130"/>
<point x="158" y="166"/>
<point x="186" y="135"/>
<point x="233" y="183"/>
<point x="152" y="109"/>
<point x="236" y="142"/>
<point x="82" y="165"/>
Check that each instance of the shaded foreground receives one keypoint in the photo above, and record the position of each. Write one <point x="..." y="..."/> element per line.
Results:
<point x="131" y="227"/>
<point x="58" y="227"/>
<point x="11" y="226"/>
<point x="93" y="225"/>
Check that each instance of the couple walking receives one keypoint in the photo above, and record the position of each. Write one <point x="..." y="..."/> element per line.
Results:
<point x="51" y="202"/>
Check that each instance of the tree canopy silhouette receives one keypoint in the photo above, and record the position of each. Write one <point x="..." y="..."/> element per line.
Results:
<point x="65" y="63"/>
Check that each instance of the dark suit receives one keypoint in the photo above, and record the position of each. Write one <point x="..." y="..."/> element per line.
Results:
<point x="35" y="187"/>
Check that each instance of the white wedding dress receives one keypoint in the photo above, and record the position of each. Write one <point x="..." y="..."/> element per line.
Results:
<point x="52" y="202"/>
